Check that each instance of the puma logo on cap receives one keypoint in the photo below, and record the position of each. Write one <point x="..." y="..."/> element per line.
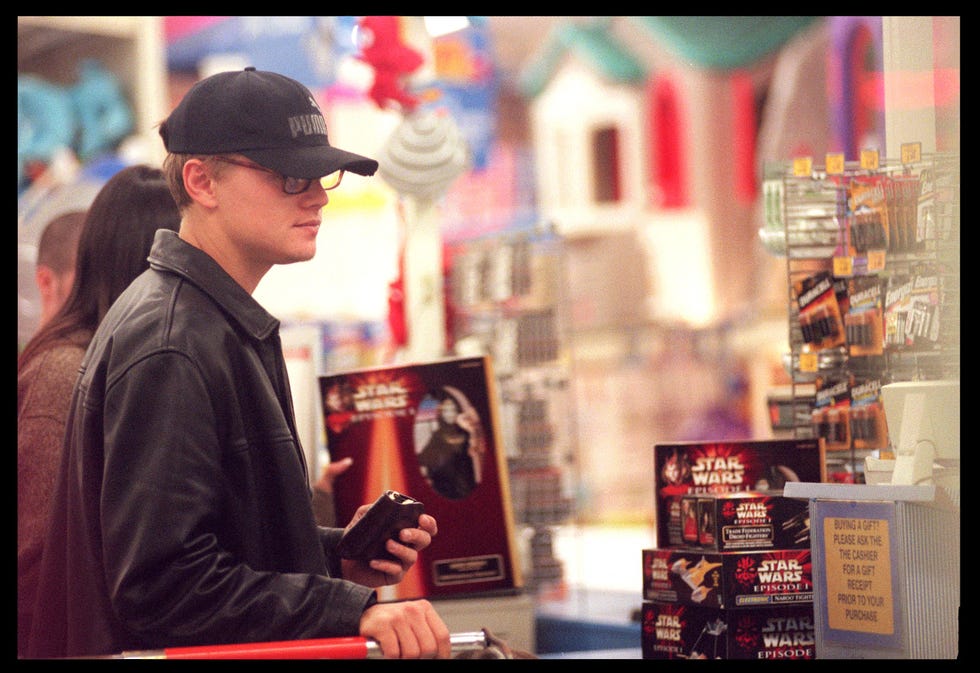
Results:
<point x="307" y="125"/>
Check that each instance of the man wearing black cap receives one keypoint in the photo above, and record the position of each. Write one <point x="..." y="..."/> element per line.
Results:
<point x="182" y="514"/>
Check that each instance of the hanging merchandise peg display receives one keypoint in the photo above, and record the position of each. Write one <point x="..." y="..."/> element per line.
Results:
<point x="508" y="298"/>
<point x="874" y="290"/>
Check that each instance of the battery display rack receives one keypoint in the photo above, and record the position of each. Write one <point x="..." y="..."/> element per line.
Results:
<point x="873" y="274"/>
<point x="507" y="300"/>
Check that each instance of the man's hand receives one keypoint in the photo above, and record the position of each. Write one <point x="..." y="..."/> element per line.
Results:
<point x="407" y="630"/>
<point x="380" y="572"/>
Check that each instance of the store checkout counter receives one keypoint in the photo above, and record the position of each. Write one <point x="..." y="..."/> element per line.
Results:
<point x="589" y="624"/>
<point x="595" y="613"/>
<point x="580" y="624"/>
<point x="592" y="614"/>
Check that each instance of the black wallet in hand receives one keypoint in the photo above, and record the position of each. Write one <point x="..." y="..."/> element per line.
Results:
<point x="391" y="512"/>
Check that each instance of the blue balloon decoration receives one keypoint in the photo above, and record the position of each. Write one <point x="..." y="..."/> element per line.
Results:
<point x="103" y="113"/>
<point x="45" y="121"/>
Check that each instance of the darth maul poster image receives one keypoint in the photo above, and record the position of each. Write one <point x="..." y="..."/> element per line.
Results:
<point x="430" y="431"/>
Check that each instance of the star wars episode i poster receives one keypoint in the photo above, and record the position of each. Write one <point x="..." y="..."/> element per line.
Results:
<point x="429" y="431"/>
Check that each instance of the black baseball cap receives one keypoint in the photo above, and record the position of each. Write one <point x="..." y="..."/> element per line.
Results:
<point x="269" y="118"/>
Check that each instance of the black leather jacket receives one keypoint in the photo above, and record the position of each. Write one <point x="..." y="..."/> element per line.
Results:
<point x="182" y="514"/>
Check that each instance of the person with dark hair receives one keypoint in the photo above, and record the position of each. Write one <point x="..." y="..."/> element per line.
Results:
<point x="54" y="272"/>
<point x="112" y="250"/>
<point x="183" y="513"/>
<point x="448" y="458"/>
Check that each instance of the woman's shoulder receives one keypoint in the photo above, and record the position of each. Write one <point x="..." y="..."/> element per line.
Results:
<point x="66" y="351"/>
<point x="51" y="373"/>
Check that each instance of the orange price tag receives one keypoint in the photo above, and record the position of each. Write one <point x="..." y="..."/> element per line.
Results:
<point x="911" y="153"/>
<point x="803" y="167"/>
<point x="835" y="163"/>
<point x="843" y="266"/>
<point x="869" y="160"/>
<point x="808" y="362"/>
<point x="876" y="260"/>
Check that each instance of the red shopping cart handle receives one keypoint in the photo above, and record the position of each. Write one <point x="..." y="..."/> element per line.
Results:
<point x="348" y="647"/>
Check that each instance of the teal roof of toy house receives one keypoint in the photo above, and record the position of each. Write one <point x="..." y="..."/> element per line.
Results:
<point x="593" y="44"/>
<point x="724" y="42"/>
<point x="709" y="42"/>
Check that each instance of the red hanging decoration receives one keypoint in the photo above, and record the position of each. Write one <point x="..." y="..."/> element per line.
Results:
<point x="392" y="60"/>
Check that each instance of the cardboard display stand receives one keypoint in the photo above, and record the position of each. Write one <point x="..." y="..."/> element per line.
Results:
<point x="431" y="431"/>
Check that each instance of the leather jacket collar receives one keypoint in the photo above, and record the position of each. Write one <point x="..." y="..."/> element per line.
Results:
<point x="173" y="254"/>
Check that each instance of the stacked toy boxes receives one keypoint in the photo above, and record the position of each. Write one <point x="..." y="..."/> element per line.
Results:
<point x="730" y="577"/>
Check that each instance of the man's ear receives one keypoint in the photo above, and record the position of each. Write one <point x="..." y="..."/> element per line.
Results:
<point x="198" y="183"/>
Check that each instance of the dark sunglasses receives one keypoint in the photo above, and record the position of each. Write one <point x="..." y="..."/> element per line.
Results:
<point x="290" y="185"/>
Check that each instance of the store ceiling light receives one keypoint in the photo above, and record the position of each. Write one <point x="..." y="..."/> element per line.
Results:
<point x="437" y="26"/>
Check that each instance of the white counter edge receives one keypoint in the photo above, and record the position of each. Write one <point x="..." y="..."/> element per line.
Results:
<point x="819" y="491"/>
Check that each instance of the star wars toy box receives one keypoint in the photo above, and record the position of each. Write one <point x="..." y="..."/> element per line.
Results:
<point x="676" y="631"/>
<point x="429" y="431"/>
<point x="703" y="468"/>
<point x="745" y="521"/>
<point x="728" y="580"/>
